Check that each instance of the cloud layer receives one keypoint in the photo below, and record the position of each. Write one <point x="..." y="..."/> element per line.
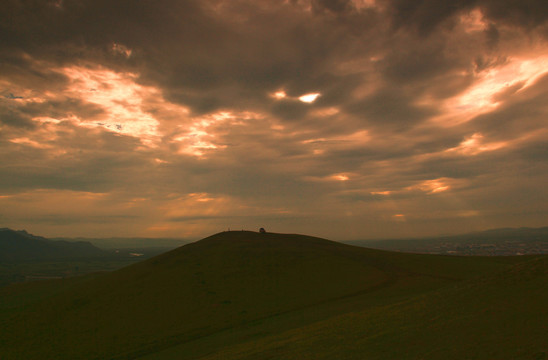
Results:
<point x="344" y="119"/>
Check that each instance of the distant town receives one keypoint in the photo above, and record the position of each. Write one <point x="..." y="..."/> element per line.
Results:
<point x="499" y="242"/>
<point x="503" y="248"/>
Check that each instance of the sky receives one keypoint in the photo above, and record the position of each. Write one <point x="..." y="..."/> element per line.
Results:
<point x="346" y="119"/>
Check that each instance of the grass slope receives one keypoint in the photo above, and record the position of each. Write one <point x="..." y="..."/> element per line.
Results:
<point x="496" y="317"/>
<point x="216" y="295"/>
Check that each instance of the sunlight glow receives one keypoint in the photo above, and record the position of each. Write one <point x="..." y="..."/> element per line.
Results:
<point x="198" y="138"/>
<point x="474" y="145"/>
<point x="312" y="141"/>
<point x="329" y="178"/>
<point x="201" y="197"/>
<point x="29" y="142"/>
<point x="492" y="87"/>
<point x="341" y="177"/>
<point x="198" y="205"/>
<point x="309" y="98"/>
<point x="432" y="186"/>
<point x="45" y="120"/>
<point x="119" y="95"/>
<point x="385" y="193"/>
<point x="360" y="4"/>
<point x="279" y="95"/>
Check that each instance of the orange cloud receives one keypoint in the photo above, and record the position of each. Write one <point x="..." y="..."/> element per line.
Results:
<point x="516" y="73"/>
<point x="432" y="186"/>
<point x="475" y="144"/>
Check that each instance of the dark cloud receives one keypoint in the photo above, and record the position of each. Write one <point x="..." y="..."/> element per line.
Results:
<point x="82" y="160"/>
<point x="425" y="15"/>
<point x="535" y="152"/>
<point x="527" y="14"/>
<point x="14" y="117"/>
<point x="336" y="6"/>
<point x="367" y="197"/>
<point x="65" y="220"/>
<point x="390" y="108"/>
<point x="407" y="65"/>
<point x="290" y="110"/>
<point x="205" y="57"/>
<point x="24" y="72"/>
<point x="423" y="105"/>
<point x="457" y="167"/>
<point x="63" y="108"/>
<point x="492" y="36"/>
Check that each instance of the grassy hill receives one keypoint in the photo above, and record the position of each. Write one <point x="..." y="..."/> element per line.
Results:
<point x="502" y="316"/>
<point x="245" y="295"/>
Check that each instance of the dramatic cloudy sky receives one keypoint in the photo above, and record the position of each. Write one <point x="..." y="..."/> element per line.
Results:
<point x="338" y="118"/>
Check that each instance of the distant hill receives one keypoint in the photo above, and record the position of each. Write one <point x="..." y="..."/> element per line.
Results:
<point x="131" y="242"/>
<point x="246" y="295"/>
<point x="17" y="246"/>
<point x="513" y="231"/>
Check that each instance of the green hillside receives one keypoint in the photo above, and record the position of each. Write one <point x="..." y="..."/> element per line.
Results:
<point x="496" y="317"/>
<point x="258" y="296"/>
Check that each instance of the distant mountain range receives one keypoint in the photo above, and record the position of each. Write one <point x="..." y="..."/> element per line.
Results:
<point x="130" y="242"/>
<point x="509" y="232"/>
<point x="19" y="245"/>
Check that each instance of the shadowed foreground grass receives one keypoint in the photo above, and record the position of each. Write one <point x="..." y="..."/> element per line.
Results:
<point x="244" y="295"/>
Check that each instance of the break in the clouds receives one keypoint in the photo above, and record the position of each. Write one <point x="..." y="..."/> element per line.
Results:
<point x="339" y="118"/>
